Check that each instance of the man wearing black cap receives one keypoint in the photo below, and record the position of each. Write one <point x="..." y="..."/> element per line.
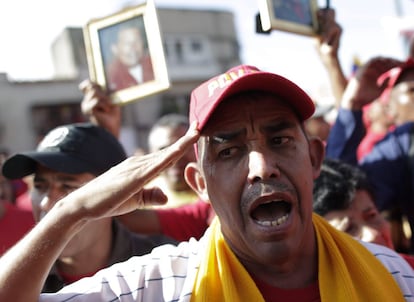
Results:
<point x="256" y="166"/>
<point x="68" y="157"/>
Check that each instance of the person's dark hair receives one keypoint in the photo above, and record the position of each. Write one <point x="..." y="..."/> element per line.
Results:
<point x="336" y="185"/>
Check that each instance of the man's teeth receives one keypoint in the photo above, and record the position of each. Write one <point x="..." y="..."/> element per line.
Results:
<point x="275" y="222"/>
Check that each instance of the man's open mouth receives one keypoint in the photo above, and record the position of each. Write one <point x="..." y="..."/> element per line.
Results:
<point x="272" y="213"/>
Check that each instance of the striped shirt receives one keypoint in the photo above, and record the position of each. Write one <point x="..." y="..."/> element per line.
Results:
<point x="168" y="274"/>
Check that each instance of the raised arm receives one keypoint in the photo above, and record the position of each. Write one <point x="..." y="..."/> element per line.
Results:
<point x="349" y="129"/>
<point x="24" y="267"/>
<point x="363" y="88"/>
<point x="99" y="108"/>
<point x="328" y="42"/>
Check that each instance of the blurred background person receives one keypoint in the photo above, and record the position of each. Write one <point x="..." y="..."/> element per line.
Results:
<point x="378" y="121"/>
<point x="15" y="221"/>
<point x="66" y="159"/>
<point x="317" y="124"/>
<point x="343" y="195"/>
<point x="14" y="224"/>
<point x="167" y="130"/>
<point x="389" y="164"/>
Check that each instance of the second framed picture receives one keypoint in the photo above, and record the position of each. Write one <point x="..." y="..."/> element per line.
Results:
<point x="125" y="53"/>
<point x="294" y="16"/>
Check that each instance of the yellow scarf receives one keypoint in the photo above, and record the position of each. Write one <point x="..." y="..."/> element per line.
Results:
<point x="347" y="271"/>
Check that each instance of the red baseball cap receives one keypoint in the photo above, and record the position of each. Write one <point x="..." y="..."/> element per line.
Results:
<point x="206" y="97"/>
<point x="391" y="78"/>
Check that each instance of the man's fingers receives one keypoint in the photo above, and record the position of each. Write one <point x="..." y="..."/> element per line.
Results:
<point x="95" y="99"/>
<point x="184" y="142"/>
<point x="84" y="85"/>
<point x="165" y="158"/>
<point x="144" y="168"/>
<point x="145" y="197"/>
<point x="153" y="196"/>
<point x="162" y="159"/>
<point x="176" y="150"/>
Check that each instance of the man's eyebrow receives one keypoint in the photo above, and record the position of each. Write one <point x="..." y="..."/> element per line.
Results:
<point x="67" y="178"/>
<point x="62" y="178"/>
<point x="279" y="125"/>
<point x="222" y="137"/>
<point x="219" y="138"/>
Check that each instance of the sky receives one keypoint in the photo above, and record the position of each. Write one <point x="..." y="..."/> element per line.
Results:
<point x="28" y="29"/>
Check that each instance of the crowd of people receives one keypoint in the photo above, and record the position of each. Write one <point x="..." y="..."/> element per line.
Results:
<point x="254" y="196"/>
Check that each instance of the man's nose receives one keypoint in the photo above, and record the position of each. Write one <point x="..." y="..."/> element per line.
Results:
<point x="262" y="166"/>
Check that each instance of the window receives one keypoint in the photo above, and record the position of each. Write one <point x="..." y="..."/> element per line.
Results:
<point x="196" y="46"/>
<point x="187" y="49"/>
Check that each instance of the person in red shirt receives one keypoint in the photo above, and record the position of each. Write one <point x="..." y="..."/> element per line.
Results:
<point x="378" y="122"/>
<point x="14" y="224"/>
<point x="67" y="158"/>
<point x="180" y="223"/>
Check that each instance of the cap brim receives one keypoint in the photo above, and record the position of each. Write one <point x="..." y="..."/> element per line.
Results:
<point x="23" y="164"/>
<point x="289" y="92"/>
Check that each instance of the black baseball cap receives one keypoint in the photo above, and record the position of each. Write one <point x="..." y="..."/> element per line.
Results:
<point x="73" y="149"/>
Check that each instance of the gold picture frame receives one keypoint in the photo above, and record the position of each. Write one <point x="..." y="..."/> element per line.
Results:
<point x="294" y="16"/>
<point x="125" y="53"/>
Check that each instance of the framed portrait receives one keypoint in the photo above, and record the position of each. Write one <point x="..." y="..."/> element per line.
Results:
<point x="294" y="16"/>
<point x="125" y="53"/>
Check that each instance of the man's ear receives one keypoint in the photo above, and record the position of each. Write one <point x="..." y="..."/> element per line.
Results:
<point x="195" y="180"/>
<point x="317" y="154"/>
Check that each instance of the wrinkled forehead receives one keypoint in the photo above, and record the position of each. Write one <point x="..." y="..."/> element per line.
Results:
<point x="251" y="101"/>
<point x="249" y="105"/>
<point x="253" y="110"/>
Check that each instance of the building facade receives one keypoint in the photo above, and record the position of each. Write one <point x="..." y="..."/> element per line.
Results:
<point x="197" y="44"/>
